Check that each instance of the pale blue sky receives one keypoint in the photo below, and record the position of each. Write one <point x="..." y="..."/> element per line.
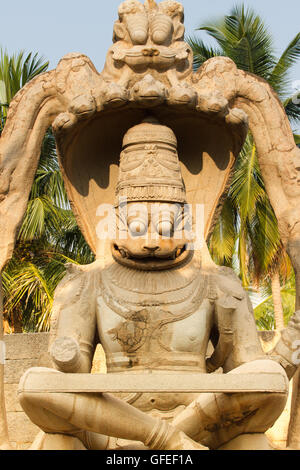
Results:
<point x="60" y="26"/>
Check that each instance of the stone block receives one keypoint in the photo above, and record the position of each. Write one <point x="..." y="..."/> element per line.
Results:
<point x="11" y="398"/>
<point x="21" y="430"/>
<point x="14" y="369"/>
<point x="26" y="346"/>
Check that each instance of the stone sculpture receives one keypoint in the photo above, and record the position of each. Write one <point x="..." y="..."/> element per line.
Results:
<point x="148" y="136"/>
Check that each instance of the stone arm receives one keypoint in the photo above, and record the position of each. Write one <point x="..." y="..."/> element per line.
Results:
<point x="73" y="322"/>
<point x="287" y="349"/>
<point x="224" y="309"/>
<point x="238" y="341"/>
<point x="235" y="334"/>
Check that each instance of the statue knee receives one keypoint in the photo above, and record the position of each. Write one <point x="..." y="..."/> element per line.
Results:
<point x="48" y="411"/>
<point x="260" y="366"/>
<point x="28" y="389"/>
<point x="268" y="405"/>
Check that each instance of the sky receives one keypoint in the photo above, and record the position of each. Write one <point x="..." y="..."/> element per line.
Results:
<point x="56" y="28"/>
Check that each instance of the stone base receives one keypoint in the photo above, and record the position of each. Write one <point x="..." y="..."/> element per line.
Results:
<point x="45" y="441"/>
<point x="248" y="442"/>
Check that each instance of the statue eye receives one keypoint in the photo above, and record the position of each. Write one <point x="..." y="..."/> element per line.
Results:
<point x="165" y="228"/>
<point x="137" y="227"/>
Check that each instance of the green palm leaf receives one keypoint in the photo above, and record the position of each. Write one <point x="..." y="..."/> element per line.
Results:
<point x="15" y="72"/>
<point x="251" y="243"/>
<point x="223" y="238"/>
<point x="201" y="51"/>
<point x="279" y="78"/>
<point x="243" y="37"/>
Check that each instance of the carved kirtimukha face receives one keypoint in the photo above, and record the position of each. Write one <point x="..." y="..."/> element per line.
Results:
<point x="155" y="23"/>
<point x="152" y="236"/>
<point x="153" y="221"/>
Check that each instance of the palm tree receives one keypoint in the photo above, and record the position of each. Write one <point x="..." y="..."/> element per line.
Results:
<point x="15" y="71"/>
<point x="49" y="236"/>
<point x="246" y="235"/>
<point x="38" y="264"/>
<point x="263" y="309"/>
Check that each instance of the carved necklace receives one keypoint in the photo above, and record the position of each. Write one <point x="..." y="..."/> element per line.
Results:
<point x="155" y="283"/>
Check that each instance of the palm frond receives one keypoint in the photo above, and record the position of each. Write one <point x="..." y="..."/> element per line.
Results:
<point x="243" y="36"/>
<point x="279" y="75"/>
<point x="15" y="72"/>
<point x="28" y="287"/>
<point x="264" y="311"/>
<point x="292" y="110"/>
<point x="223" y="238"/>
<point x="201" y="51"/>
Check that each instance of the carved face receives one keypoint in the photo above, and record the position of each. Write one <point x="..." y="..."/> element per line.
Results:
<point x="152" y="236"/>
<point x="160" y="23"/>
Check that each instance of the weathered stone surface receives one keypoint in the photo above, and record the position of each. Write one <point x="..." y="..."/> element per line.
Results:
<point x="21" y="430"/>
<point x="14" y="369"/>
<point x="22" y="352"/>
<point x="54" y="441"/>
<point x="42" y="381"/>
<point x="293" y="440"/>
<point x="248" y="442"/>
<point x="26" y="346"/>
<point x="278" y="433"/>
<point x="11" y="397"/>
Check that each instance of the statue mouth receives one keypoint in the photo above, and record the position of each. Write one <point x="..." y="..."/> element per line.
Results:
<point x="150" y="261"/>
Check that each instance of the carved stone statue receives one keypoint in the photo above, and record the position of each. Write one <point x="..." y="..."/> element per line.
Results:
<point x="152" y="142"/>
<point x="155" y="306"/>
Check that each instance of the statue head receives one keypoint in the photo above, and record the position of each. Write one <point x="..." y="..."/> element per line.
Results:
<point x="140" y="24"/>
<point x="153" y="223"/>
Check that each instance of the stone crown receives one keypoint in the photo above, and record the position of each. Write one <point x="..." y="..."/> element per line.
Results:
<point x="149" y="166"/>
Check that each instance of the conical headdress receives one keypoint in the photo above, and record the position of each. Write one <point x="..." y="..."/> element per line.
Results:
<point x="149" y="166"/>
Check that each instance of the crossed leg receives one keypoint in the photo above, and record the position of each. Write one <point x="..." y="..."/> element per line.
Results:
<point x="101" y="414"/>
<point x="213" y="419"/>
<point x="216" y="418"/>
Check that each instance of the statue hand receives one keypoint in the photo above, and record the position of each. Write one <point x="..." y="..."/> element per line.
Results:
<point x="65" y="353"/>
<point x="286" y="351"/>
